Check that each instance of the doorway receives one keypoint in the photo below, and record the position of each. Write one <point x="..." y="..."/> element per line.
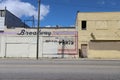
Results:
<point x="84" y="50"/>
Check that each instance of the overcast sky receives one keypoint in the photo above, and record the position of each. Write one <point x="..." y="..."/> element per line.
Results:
<point x="58" y="12"/>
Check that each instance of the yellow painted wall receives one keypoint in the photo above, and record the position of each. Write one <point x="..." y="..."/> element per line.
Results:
<point x="100" y="26"/>
<point x="104" y="54"/>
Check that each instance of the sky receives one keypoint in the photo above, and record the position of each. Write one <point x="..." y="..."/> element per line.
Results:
<point x="57" y="12"/>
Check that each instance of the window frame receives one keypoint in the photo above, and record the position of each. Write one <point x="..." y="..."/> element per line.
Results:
<point x="83" y="25"/>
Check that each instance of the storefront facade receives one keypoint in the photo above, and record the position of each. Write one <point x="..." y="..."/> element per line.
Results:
<point x="53" y="42"/>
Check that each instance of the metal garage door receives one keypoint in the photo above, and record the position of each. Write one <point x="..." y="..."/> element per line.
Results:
<point x="50" y="48"/>
<point x="22" y="46"/>
<point x="17" y="50"/>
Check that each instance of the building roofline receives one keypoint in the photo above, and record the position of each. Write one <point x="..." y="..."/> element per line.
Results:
<point x="53" y="27"/>
<point x="44" y="28"/>
<point x="100" y="12"/>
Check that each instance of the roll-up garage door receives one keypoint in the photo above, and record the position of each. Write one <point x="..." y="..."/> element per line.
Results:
<point x="50" y="48"/>
<point x="17" y="50"/>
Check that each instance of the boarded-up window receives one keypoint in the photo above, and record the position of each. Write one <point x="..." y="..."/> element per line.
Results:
<point x="104" y="45"/>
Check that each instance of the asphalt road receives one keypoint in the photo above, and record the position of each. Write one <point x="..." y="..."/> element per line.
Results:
<point x="58" y="69"/>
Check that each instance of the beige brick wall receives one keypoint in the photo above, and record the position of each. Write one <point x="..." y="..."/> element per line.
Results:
<point x="100" y="26"/>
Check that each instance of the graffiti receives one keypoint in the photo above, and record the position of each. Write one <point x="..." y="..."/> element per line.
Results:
<point x="24" y="32"/>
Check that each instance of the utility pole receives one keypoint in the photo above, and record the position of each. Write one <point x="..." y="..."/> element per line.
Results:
<point x="38" y="27"/>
